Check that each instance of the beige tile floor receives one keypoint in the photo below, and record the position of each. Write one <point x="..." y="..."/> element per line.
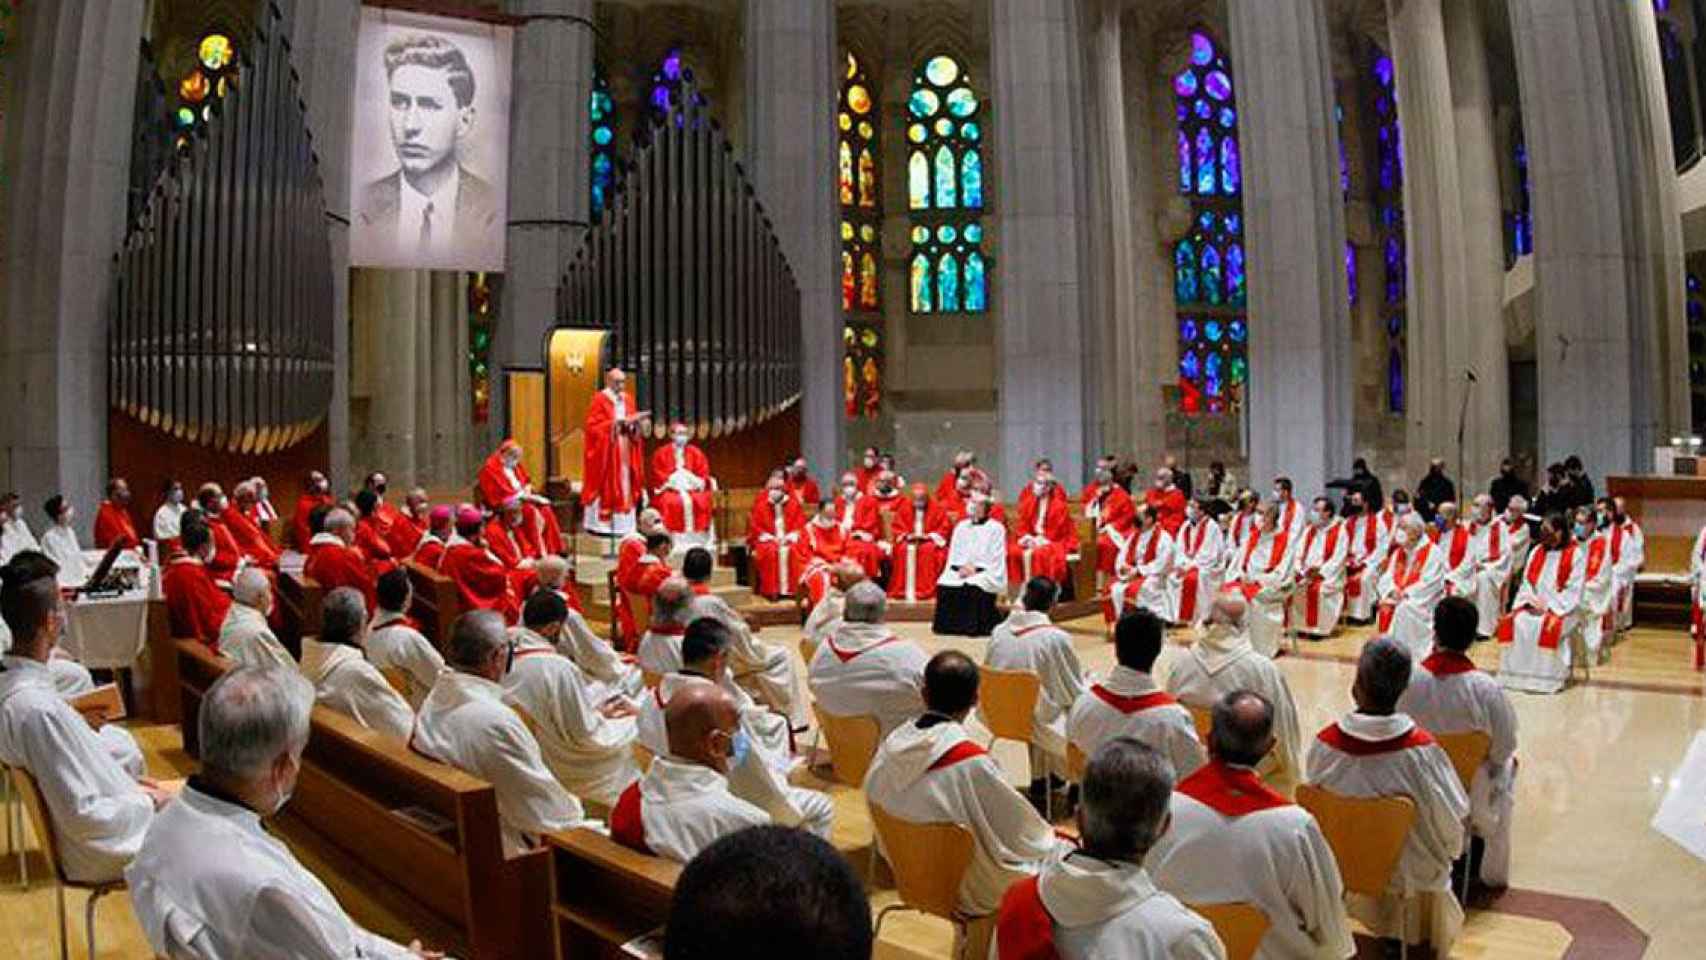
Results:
<point x="1596" y="760"/>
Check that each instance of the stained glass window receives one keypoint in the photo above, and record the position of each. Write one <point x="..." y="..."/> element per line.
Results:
<point x="1519" y="223"/>
<point x="212" y="74"/>
<point x="946" y="270"/>
<point x="1210" y="287"/>
<point x="858" y="160"/>
<point x="601" y="141"/>
<point x="1388" y="179"/>
<point x="671" y="85"/>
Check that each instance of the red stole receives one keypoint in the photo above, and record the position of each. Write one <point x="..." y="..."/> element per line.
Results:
<point x="964" y="750"/>
<point x="1023" y="929"/>
<point x="1148" y="551"/>
<point x="1596" y="558"/>
<point x="1459" y="546"/>
<point x="1407" y="569"/>
<point x="1495" y="540"/>
<point x="1551" y="625"/>
<point x="1231" y="791"/>
<point x="1447" y="663"/>
<point x="1276" y="553"/>
<point x="1130" y="705"/>
<point x="1312" y="597"/>
<point x="1193" y="538"/>
<point x="1334" y="736"/>
<point x="846" y="657"/>
<point x="627" y="827"/>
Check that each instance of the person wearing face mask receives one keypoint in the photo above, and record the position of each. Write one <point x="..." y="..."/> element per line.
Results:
<point x="168" y="516"/>
<point x="15" y="535"/>
<point x="1434" y="489"/>
<point x="345" y="680"/>
<point x="825" y="546"/>
<point x="335" y="561"/>
<point x="975" y="574"/>
<point x="262" y="511"/>
<point x="920" y="547"/>
<point x="195" y="605"/>
<point x="212" y="502"/>
<point x="1507" y="485"/>
<point x="1411" y="585"/>
<point x="1264" y="570"/>
<point x="1598" y="621"/>
<point x="1142" y="573"/>
<point x="384" y="513"/>
<point x="1199" y="556"/>
<point x="628" y="556"/>
<point x="467" y="722"/>
<point x="252" y="541"/>
<point x="861" y="549"/>
<point x="963" y="460"/>
<point x="412" y="522"/>
<point x="613" y="472"/>
<point x="482" y="580"/>
<point x="802" y="486"/>
<point x="1107" y="505"/>
<point x="316" y="493"/>
<point x="1368" y="536"/>
<point x="113" y="523"/>
<point x="878" y="517"/>
<point x="1490" y="547"/>
<point x="773" y="533"/>
<point x="1167" y="500"/>
<point x="1537" y="639"/>
<point x="682" y="488"/>
<point x="1628" y="555"/>
<point x="510" y="538"/>
<point x="1045" y="533"/>
<point x="870" y="464"/>
<point x="209" y="880"/>
<point x="1292" y="514"/>
<point x="59" y="542"/>
<point x="1457" y="540"/>
<point x="1243" y="521"/>
<point x="1321" y="558"/>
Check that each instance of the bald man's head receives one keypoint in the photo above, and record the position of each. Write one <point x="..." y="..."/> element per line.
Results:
<point x="1229" y="609"/>
<point x="1243" y="730"/>
<point x="847" y="573"/>
<point x="702" y="719"/>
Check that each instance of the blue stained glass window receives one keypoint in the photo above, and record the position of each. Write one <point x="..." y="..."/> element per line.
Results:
<point x="971" y="179"/>
<point x="1238" y="331"/>
<point x="1351" y="272"/>
<point x="1185" y="167"/>
<point x="977" y="293"/>
<point x="1185" y="272"/>
<point x="1231" y="174"/>
<point x="944" y="182"/>
<point x="1205" y="162"/>
<point x="920" y="278"/>
<point x="601" y="116"/>
<point x="1185" y="84"/>
<point x="1388" y="178"/>
<point x="1188" y="331"/>
<point x="1189" y="365"/>
<point x="1236" y="286"/>
<point x="1211" y="331"/>
<point x="1212" y="288"/>
<point x="948" y="282"/>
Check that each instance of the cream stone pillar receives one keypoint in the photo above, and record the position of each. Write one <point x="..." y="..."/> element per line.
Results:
<point x="1300" y="382"/>
<point x="405" y="307"/>
<point x="1608" y="289"/>
<point x="67" y="162"/>
<point x="1039" y="190"/>
<point x="790" y="148"/>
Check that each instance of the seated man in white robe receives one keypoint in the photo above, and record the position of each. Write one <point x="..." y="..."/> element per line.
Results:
<point x="1263" y="569"/>
<point x="1098" y="901"/>
<point x="765" y="670"/>
<point x="1628" y="556"/>
<point x="1411" y="585"/>
<point x="1537" y="638"/>
<point x="15" y="535"/>
<point x="1370" y="536"/>
<point x="210" y="881"/>
<point x="1222" y="662"/>
<point x="1376" y="751"/>
<point x="864" y="669"/>
<point x="606" y="670"/>
<point x="587" y="743"/>
<point x="97" y="799"/>
<point x="70" y="678"/>
<point x="974" y="576"/>
<point x="1599" y="585"/>
<point x="1491" y="548"/>
<point x="467" y="722"/>
<point x="826" y="616"/>
<point x="59" y="542"/>
<point x="761" y="776"/>
<point x="245" y="637"/>
<point x="335" y="663"/>
<point x="395" y="642"/>
<point x="660" y="647"/>
<point x="1199" y="557"/>
<point x="1143" y="571"/>
<point x="930" y="770"/>
<point x="1456" y="540"/>
<point x="1321" y="558"/>
<point x="1029" y="641"/>
<point x="1130" y="704"/>
<point x="1446" y="695"/>
<point x="1234" y="839"/>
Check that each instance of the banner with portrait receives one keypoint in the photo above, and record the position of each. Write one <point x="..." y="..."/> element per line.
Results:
<point x="429" y="148"/>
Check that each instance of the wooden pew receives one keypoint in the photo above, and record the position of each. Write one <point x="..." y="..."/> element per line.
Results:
<point x="604" y="894"/>
<point x="353" y="786"/>
<point x="300" y="596"/>
<point x="437" y="604"/>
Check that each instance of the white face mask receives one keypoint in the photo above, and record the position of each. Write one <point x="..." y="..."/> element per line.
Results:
<point x="1318" y="518"/>
<point x="870" y="462"/>
<point x="849" y="490"/>
<point x="1279" y="495"/>
<point x="679" y="439"/>
<point x="176" y="496"/>
<point x="776" y="496"/>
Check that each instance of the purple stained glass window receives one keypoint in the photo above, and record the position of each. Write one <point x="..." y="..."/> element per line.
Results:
<point x="1185" y="84"/>
<point x="1231" y="174"/>
<point x="1388" y="177"/>
<point x="1351" y="272"/>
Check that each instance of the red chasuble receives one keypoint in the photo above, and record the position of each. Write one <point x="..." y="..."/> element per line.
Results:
<point x="113" y="525"/>
<point x="614" y="475"/>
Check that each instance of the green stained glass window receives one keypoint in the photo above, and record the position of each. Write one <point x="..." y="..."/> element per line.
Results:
<point x="945" y="188"/>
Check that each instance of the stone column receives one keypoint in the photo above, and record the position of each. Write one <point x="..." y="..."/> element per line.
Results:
<point x="548" y="177"/>
<point x="67" y="169"/>
<point x="405" y="298"/>
<point x="1487" y="436"/>
<point x="790" y="150"/>
<point x="1608" y="287"/>
<point x="1300" y="380"/>
<point x="1039" y="293"/>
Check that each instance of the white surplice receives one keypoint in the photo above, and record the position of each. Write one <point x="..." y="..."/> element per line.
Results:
<point x="767" y="670"/>
<point x="395" y="644"/>
<point x="15" y="537"/>
<point x="1599" y="593"/>
<point x="590" y="754"/>
<point x="1030" y="642"/>
<point x="211" y="882"/>
<point x="1273" y="856"/>
<point x="1222" y="661"/>
<point x="168" y="521"/>
<point x="607" y="674"/>
<point x="247" y="640"/>
<point x="825" y="617"/>
<point x="1142" y="575"/>
<point x="1011" y="838"/>
<point x="865" y="669"/>
<point x="99" y="812"/>
<point x="980" y="545"/>
<point x="344" y="681"/>
<point x="1370" y="539"/>
<point x="1264" y="569"/>
<point x="59" y="542"/>
<point x="1447" y="694"/>
<point x="1369" y="756"/>
<point x="1199" y="556"/>
<point x="468" y="723"/>
<point x="1697" y="580"/>
<point x="1628" y="555"/>
<point x="685" y="807"/>
<point x="1459" y="561"/>
<point x="660" y="648"/>
<point x="1129" y="704"/>
<point x="1492" y="550"/>
<point x="1540" y="649"/>
<point x="1104" y="910"/>
<point x="1325" y="550"/>
<point x="1411" y="585"/>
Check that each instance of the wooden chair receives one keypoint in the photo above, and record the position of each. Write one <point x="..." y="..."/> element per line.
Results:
<point x="1076" y="763"/>
<point x="1007" y="700"/>
<point x="650" y="679"/>
<point x="642" y="757"/>
<point x="929" y="861"/>
<point x="852" y="745"/>
<point x="1468" y="751"/>
<point x="808" y="650"/>
<point x="1241" y="926"/>
<point x="1203" y="717"/>
<point x="398" y="680"/>
<point x="29" y="793"/>
<point x="12" y="808"/>
<point x="1367" y="835"/>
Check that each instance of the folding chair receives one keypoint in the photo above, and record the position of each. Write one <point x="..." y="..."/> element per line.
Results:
<point x="1367" y="836"/>
<point x="30" y="796"/>
<point x="929" y="861"/>
<point x="1007" y="701"/>
<point x="1467" y="751"/>
<point x="1241" y="926"/>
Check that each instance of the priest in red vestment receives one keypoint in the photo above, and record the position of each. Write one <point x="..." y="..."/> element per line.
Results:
<point x="226" y="554"/>
<point x="503" y="476"/>
<point x="963" y="460"/>
<point x="513" y="541"/>
<point x="1167" y="500"/>
<point x="921" y="536"/>
<point x="1044" y="534"/>
<point x="370" y="532"/>
<point x="861" y="550"/>
<point x="387" y="514"/>
<point x="252" y="540"/>
<point x="628" y="554"/>
<point x="482" y="582"/>
<point x="316" y="492"/>
<point x="405" y="534"/>
<point x="613" y="475"/>
<point x="773" y="535"/>
<point x="113" y="522"/>
<point x="878" y="517"/>
<point x="824" y="544"/>
<point x="801" y="486"/>
<point x="682" y="487"/>
<point x="429" y="552"/>
<point x="1111" y="509"/>
<point x="195" y="605"/>
<point x="869" y="466"/>
<point x="334" y="561"/>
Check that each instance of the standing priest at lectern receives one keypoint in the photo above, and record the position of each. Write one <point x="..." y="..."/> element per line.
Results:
<point x="614" y="475"/>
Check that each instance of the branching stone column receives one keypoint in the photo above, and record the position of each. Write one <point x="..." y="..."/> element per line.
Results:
<point x="1040" y="294"/>
<point x="1300" y="384"/>
<point x="790" y="147"/>
<point x="1608" y="286"/>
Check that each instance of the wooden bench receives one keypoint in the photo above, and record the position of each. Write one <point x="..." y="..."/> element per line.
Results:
<point x="352" y="791"/>
<point x="437" y="603"/>
<point x="300" y="597"/>
<point x="604" y="894"/>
